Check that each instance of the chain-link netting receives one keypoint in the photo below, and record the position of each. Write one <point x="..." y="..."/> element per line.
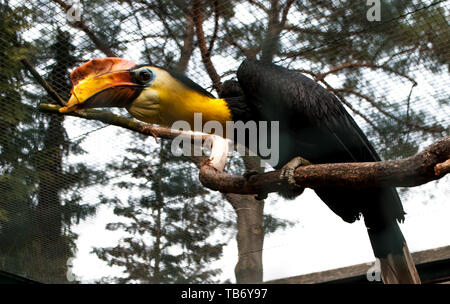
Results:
<point x="154" y="221"/>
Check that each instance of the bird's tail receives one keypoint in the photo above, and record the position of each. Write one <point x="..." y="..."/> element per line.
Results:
<point x="397" y="265"/>
<point x="382" y="209"/>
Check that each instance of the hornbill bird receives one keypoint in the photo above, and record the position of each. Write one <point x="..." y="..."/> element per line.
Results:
<point x="313" y="124"/>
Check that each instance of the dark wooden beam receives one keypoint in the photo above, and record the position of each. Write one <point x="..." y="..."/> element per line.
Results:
<point x="433" y="266"/>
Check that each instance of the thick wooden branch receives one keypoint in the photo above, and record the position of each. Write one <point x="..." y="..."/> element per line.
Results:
<point x="431" y="164"/>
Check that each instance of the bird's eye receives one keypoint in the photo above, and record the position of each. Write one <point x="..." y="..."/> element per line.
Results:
<point x="143" y="76"/>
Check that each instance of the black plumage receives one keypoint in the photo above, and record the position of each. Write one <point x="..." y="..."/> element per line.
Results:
<point x="315" y="125"/>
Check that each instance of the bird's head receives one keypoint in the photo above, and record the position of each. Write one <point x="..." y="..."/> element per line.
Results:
<point x="149" y="93"/>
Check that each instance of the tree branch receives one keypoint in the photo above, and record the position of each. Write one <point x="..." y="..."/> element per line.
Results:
<point x="143" y="39"/>
<point x="120" y="121"/>
<point x="206" y="55"/>
<point x="353" y="109"/>
<point x="82" y="26"/>
<point x="258" y="5"/>
<point x="188" y="44"/>
<point x="50" y="91"/>
<point x="296" y="29"/>
<point x="350" y="65"/>
<point x="271" y="39"/>
<point x="162" y="14"/>
<point x="432" y="129"/>
<point x="431" y="164"/>
<point x="339" y="93"/>
<point x="249" y="53"/>
<point x="284" y="15"/>
<point x="216" y="26"/>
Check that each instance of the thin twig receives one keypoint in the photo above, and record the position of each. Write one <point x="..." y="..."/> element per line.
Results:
<point x="216" y="26"/>
<point x="197" y="12"/>
<point x="51" y="92"/>
<point x="82" y="26"/>
<point x="408" y="103"/>
<point x="350" y="65"/>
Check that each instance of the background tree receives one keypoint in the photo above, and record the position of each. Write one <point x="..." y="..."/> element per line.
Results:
<point x="36" y="216"/>
<point x="173" y="233"/>
<point x="14" y="180"/>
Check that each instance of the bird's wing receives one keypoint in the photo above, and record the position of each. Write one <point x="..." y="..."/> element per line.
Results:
<point x="324" y="129"/>
<point x="315" y="125"/>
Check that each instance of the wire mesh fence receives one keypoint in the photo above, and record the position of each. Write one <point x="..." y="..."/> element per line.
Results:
<point x="56" y="171"/>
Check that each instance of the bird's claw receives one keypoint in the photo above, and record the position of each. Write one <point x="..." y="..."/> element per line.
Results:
<point x="249" y="173"/>
<point x="261" y="196"/>
<point x="288" y="170"/>
<point x="149" y="129"/>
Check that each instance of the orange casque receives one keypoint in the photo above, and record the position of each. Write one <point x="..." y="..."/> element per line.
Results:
<point x="102" y="73"/>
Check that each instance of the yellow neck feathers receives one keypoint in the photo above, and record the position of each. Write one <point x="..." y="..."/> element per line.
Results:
<point x="185" y="105"/>
<point x="167" y="100"/>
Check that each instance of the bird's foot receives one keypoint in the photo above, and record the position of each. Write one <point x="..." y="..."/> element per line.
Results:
<point x="288" y="172"/>
<point x="249" y="173"/>
<point x="261" y="196"/>
<point x="149" y="130"/>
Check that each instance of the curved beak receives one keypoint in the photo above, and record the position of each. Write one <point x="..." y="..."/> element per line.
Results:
<point x="105" y="82"/>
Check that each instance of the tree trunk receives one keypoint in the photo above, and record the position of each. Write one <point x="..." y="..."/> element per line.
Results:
<point x="250" y="230"/>
<point x="250" y="237"/>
